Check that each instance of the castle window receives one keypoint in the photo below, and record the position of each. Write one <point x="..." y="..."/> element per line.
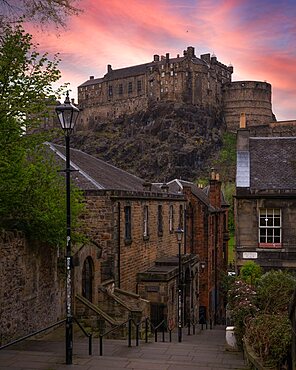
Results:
<point x="162" y="74"/>
<point x="270" y="228"/>
<point x="151" y="83"/>
<point x="171" y="219"/>
<point x="176" y="73"/>
<point x="186" y="73"/>
<point x="130" y="87"/>
<point x="100" y="85"/>
<point x="166" y="82"/>
<point x="162" y="66"/>
<point x="127" y="223"/>
<point x="172" y="65"/>
<point x="139" y="85"/>
<point x="161" y="82"/>
<point x="172" y="73"/>
<point x="166" y="89"/>
<point x="110" y="90"/>
<point x="145" y="222"/>
<point x="159" y="221"/>
<point x="120" y="89"/>
<point x="161" y="90"/>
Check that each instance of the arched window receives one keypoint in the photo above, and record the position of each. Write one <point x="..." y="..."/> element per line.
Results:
<point x="87" y="278"/>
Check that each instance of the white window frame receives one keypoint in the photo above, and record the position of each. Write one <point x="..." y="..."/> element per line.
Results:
<point x="146" y="222"/>
<point x="270" y="228"/>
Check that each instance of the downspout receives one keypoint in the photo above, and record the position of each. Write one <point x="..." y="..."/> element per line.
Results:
<point x="118" y="245"/>
<point x="185" y="228"/>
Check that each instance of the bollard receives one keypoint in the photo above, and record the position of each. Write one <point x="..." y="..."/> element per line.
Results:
<point x="146" y="330"/>
<point x="170" y="335"/>
<point x="129" y="332"/>
<point x="137" y="334"/>
<point x="163" y="333"/>
<point x="101" y="345"/>
<point x="155" y="335"/>
<point x="188" y="326"/>
<point x="90" y="344"/>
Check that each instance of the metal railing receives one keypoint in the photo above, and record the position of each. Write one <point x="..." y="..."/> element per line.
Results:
<point x="137" y="325"/>
<point x="32" y="334"/>
<point x="89" y="335"/>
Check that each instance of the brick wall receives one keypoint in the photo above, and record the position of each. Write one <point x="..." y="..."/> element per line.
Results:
<point x="31" y="290"/>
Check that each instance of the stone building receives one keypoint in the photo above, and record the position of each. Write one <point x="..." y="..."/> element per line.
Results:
<point x="131" y="257"/>
<point x="265" y="201"/>
<point x="206" y="235"/>
<point x="204" y="82"/>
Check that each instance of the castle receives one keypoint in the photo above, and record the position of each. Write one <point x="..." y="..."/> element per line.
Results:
<point x="203" y="82"/>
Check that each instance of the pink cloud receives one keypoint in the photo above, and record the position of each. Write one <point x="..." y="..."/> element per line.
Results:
<point x="124" y="33"/>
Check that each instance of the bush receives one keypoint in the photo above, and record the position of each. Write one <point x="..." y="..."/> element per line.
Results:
<point x="274" y="291"/>
<point x="270" y="337"/>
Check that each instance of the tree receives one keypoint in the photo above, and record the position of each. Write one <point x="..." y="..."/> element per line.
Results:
<point x="250" y="273"/>
<point x="32" y="193"/>
<point x="38" y="11"/>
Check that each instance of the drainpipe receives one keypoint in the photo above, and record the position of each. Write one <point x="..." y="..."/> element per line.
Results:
<point x="216" y="267"/>
<point x="118" y="245"/>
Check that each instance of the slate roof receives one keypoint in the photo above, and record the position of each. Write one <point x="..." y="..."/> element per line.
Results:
<point x="137" y="70"/>
<point x="94" y="174"/>
<point x="272" y="163"/>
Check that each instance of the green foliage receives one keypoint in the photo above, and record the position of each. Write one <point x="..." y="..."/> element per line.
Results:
<point x="242" y="303"/>
<point x="227" y="157"/>
<point x="261" y="316"/>
<point x="274" y="291"/>
<point x="228" y="189"/>
<point x="250" y="273"/>
<point x="32" y="193"/>
<point x="270" y="337"/>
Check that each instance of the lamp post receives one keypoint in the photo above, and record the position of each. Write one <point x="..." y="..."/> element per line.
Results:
<point x="67" y="115"/>
<point x="179" y="233"/>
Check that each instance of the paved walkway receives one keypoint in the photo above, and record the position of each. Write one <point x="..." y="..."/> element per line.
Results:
<point x="203" y="351"/>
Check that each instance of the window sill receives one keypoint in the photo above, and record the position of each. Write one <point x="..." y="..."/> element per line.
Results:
<point x="270" y="245"/>
<point x="127" y="241"/>
<point x="160" y="234"/>
<point x="145" y="238"/>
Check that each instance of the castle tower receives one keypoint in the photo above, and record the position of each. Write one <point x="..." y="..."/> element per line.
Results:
<point x="251" y="97"/>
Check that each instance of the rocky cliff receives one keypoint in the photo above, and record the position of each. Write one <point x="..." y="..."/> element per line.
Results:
<point x="167" y="141"/>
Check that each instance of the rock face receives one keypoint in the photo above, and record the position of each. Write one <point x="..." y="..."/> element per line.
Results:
<point x="167" y="141"/>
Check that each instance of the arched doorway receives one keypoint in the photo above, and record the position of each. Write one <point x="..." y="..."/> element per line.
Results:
<point x="87" y="278"/>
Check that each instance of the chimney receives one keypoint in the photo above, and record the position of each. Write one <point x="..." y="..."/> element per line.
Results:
<point x="206" y="57"/>
<point x="162" y="57"/>
<point x="155" y="58"/>
<point x="91" y="77"/>
<point x="190" y="52"/>
<point x="215" y="189"/>
<point x="109" y="68"/>
<point x="147" y="186"/>
<point x="242" y="157"/>
<point x="167" y="57"/>
<point x="72" y="101"/>
<point x="178" y="55"/>
<point x="242" y="120"/>
<point x="230" y="68"/>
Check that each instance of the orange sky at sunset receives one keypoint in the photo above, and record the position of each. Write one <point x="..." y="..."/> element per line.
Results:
<point x="256" y="36"/>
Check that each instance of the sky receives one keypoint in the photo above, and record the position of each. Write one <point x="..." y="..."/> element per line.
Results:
<point x="258" y="37"/>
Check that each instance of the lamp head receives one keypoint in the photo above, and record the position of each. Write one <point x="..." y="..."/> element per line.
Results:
<point x="67" y="115"/>
<point x="179" y="234"/>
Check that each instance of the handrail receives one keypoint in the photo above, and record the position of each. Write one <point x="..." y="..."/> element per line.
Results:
<point x="108" y="332"/>
<point x="32" y="334"/>
<point x="164" y="325"/>
<point x="88" y="335"/>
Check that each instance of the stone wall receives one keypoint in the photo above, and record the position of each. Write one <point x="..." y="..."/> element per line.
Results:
<point x="30" y="287"/>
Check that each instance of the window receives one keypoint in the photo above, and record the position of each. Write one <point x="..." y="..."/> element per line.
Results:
<point x="162" y="74"/>
<point x="181" y="217"/>
<point x="171" y="219"/>
<point x="139" y="86"/>
<point x="145" y="222"/>
<point x="127" y="223"/>
<point x="172" y="73"/>
<point x="159" y="219"/>
<point x="130" y="87"/>
<point x="270" y="228"/>
<point x="110" y="90"/>
<point x="120" y="89"/>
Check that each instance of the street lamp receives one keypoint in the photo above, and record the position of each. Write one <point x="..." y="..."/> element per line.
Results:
<point x="179" y="233"/>
<point x="67" y="115"/>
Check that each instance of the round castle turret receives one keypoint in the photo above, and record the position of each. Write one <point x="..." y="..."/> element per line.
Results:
<point x="251" y="97"/>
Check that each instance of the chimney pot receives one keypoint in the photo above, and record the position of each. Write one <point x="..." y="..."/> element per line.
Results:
<point x="91" y="77"/>
<point x="156" y="58"/>
<point x="109" y="68"/>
